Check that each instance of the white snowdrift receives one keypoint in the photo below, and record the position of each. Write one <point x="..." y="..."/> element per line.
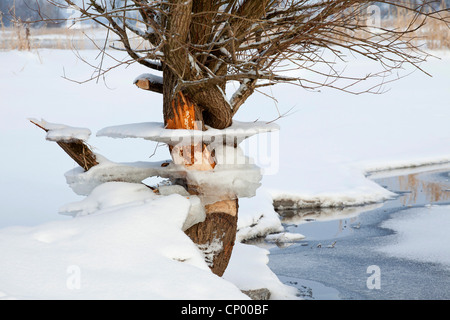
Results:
<point x="257" y="217"/>
<point x="346" y="187"/>
<point x="120" y="193"/>
<point x="248" y="261"/>
<point x="125" y="244"/>
<point x="133" y="251"/>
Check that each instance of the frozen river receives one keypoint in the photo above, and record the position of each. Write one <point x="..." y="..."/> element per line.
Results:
<point x="340" y="257"/>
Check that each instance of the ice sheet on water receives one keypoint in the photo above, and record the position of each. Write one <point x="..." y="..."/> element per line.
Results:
<point x="420" y="234"/>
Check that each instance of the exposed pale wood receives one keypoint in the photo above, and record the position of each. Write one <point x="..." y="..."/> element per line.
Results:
<point x="227" y="206"/>
<point x="146" y="84"/>
<point x="197" y="156"/>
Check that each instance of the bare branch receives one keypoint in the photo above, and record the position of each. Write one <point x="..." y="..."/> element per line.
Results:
<point x="203" y="44"/>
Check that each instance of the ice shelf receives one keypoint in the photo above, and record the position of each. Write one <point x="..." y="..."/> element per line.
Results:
<point x="155" y="131"/>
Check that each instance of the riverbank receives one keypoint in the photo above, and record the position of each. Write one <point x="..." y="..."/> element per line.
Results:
<point x="323" y="149"/>
<point x="397" y="236"/>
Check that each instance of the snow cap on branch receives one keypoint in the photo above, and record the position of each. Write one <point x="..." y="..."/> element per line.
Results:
<point x="61" y="132"/>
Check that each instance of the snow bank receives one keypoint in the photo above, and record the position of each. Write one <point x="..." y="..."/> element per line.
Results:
<point x="345" y="187"/>
<point x="133" y="250"/>
<point x="111" y="194"/>
<point x="257" y="217"/>
<point x="326" y="149"/>
<point x="420" y="234"/>
<point x="124" y="243"/>
<point x="297" y="217"/>
<point x="248" y="260"/>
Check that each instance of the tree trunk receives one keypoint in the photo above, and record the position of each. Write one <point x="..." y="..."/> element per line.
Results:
<point x="216" y="235"/>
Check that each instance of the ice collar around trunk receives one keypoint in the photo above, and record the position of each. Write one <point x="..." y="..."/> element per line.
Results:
<point x="155" y="131"/>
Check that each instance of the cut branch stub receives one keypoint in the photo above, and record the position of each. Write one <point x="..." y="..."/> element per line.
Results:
<point x="75" y="148"/>
<point x="149" y="82"/>
<point x="149" y="86"/>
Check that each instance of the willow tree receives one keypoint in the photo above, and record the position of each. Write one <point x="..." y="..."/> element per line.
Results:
<point x="194" y="48"/>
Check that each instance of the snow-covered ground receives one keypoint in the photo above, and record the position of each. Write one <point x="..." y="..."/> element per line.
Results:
<point x="130" y="246"/>
<point x="320" y="156"/>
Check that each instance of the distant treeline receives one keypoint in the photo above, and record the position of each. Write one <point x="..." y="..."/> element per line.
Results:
<point x="390" y="11"/>
<point x="34" y="11"/>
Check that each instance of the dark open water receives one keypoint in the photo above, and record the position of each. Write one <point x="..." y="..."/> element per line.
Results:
<point x="322" y="271"/>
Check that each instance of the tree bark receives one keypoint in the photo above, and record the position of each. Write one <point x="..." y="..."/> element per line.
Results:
<point x="216" y="235"/>
<point x="180" y="65"/>
<point x="80" y="153"/>
<point x="77" y="150"/>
